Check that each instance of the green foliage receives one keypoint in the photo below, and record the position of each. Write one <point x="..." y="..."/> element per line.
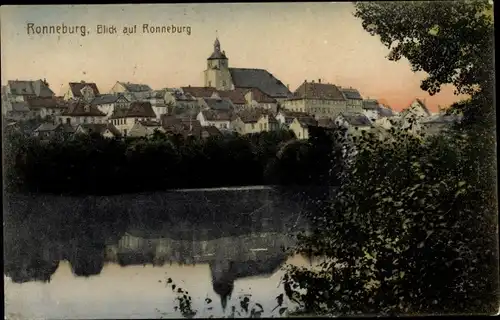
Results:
<point x="160" y="162"/>
<point x="411" y="230"/>
<point x="450" y="40"/>
<point x="246" y="308"/>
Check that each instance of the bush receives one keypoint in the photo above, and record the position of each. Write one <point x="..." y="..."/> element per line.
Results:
<point x="412" y="230"/>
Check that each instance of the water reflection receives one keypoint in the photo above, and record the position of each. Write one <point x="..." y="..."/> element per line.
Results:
<point x="251" y="245"/>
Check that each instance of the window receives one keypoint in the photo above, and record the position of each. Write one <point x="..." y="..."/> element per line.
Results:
<point x="85" y="119"/>
<point x="68" y="120"/>
<point x="209" y="83"/>
<point x="253" y="126"/>
<point x="223" y="82"/>
<point x="125" y="132"/>
<point x="260" y="126"/>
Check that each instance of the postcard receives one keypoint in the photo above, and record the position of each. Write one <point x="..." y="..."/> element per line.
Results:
<point x="249" y="160"/>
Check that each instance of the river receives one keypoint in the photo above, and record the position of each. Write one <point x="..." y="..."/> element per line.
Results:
<point x="77" y="258"/>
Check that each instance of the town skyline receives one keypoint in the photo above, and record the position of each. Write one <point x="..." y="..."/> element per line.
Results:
<point x="328" y="43"/>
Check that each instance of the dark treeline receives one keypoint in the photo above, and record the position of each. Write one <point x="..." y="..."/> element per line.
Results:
<point x="91" y="164"/>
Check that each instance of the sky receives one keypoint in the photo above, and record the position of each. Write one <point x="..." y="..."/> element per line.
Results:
<point x="293" y="41"/>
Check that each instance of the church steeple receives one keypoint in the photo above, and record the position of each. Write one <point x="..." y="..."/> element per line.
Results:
<point x="217" y="74"/>
<point x="216" y="45"/>
<point x="217" y="54"/>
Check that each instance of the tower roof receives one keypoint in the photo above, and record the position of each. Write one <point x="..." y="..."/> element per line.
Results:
<point x="217" y="54"/>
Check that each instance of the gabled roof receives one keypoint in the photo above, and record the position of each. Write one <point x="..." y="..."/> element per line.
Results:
<point x="351" y="94"/>
<point x="217" y="115"/>
<point x="370" y="104"/>
<point x="291" y="115"/>
<point x="76" y="88"/>
<point x="38" y="88"/>
<point x="199" y="92"/>
<point x="135" y="87"/>
<point x="424" y="106"/>
<point x="219" y="104"/>
<point x="384" y="111"/>
<point x="52" y="102"/>
<point x="107" y="99"/>
<point x="259" y="78"/>
<point x="409" y="108"/>
<point x="100" y="128"/>
<point x="250" y="116"/>
<point x="260" y="96"/>
<point x="319" y="91"/>
<point x="137" y="109"/>
<point x="356" y="119"/>
<point x="237" y="96"/>
<point x="307" y="122"/>
<point x="79" y="108"/>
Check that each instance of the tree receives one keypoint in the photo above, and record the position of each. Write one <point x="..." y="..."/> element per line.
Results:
<point x="412" y="229"/>
<point x="452" y="41"/>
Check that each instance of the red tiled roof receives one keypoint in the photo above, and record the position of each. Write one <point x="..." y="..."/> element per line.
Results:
<point x="79" y="108"/>
<point x="38" y="102"/>
<point x="237" y="96"/>
<point x="199" y="92"/>
<point x="320" y="91"/>
<point x="137" y="109"/>
<point x="76" y="88"/>
<point x="213" y="115"/>
<point x="260" y="96"/>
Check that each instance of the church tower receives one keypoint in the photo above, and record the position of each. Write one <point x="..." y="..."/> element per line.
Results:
<point x="217" y="74"/>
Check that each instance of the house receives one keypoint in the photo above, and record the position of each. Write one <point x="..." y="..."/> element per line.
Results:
<point x="125" y="119"/>
<point x="145" y="128"/>
<point x="371" y="109"/>
<point x="254" y="121"/>
<point x="107" y="103"/>
<point x="412" y="116"/>
<point x="286" y="117"/>
<point x="300" y="127"/>
<point x="20" y="90"/>
<point x="81" y="90"/>
<point x="218" y="75"/>
<point x="322" y="100"/>
<point x="81" y="112"/>
<point x="221" y="119"/>
<point x="236" y="96"/>
<point x="107" y="130"/>
<point x="354" y="122"/>
<point x="354" y="100"/>
<point x="256" y="98"/>
<point x="198" y="92"/>
<point x="52" y="130"/>
<point x="20" y="111"/>
<point x="188" y="127"/>
<point x="47" y="108"/>
<point x="218" y="104"/>
<point x="180" y="99"/>
<point x="132" y="91"/>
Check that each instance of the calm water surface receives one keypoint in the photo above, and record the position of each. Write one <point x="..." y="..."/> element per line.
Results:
<point x="118" y="269"/>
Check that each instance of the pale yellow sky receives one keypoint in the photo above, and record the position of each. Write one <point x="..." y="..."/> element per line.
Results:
<point x="294" y="41"/>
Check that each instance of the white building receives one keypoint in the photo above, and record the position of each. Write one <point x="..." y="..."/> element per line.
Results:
<point x="221" y="119"/>
<point x="133" y="91"/>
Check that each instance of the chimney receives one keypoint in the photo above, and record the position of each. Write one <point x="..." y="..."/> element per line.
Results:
<point x="305" y="80"/>
<point x="82" y="81"/>
<point x="319" y="80"/>
<point x="313" y="81"/>
<point x="288" y="86"/>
